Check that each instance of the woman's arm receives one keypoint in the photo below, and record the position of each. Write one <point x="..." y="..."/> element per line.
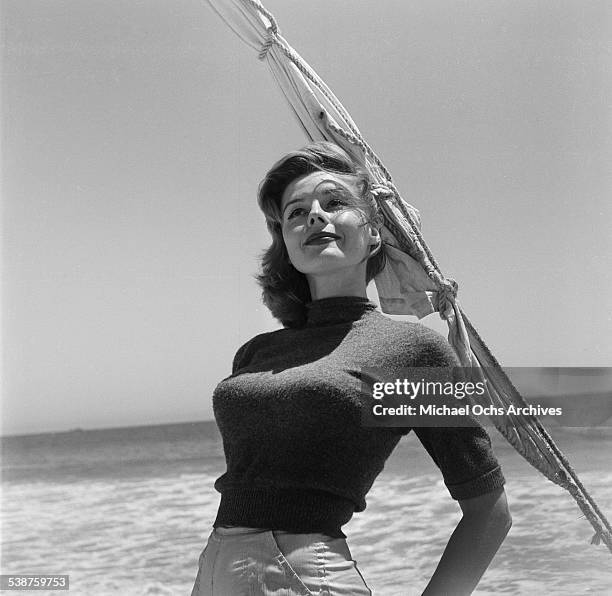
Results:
<point x="472" y="546"/>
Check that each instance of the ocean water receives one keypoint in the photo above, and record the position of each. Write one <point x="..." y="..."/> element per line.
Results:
<point x="127" y="511"/>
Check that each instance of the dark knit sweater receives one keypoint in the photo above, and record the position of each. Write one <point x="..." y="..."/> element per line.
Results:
<point x="298" y="458"/>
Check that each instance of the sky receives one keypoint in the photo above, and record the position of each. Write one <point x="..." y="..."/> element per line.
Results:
<point x="134" y="135"/>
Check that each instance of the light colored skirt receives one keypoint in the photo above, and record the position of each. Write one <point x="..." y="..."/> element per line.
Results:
<point x="254" y="562"/>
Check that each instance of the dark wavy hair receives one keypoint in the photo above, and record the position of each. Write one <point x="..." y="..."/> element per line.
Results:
<point x="285" y="289"/>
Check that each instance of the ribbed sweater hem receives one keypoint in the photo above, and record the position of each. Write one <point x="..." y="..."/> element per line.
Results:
<point x="479" y="486"/>
<point x="289" y="509"/>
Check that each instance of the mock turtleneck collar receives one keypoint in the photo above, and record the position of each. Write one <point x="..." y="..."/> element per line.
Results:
<point x="338" y="309"/>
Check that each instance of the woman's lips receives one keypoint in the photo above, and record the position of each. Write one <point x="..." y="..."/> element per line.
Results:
<point x="323" y="238"/>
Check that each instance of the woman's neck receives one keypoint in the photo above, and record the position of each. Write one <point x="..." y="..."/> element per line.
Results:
<point x="338" y="283"/>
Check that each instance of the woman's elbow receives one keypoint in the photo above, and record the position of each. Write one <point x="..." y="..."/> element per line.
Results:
<point x="489" y="511"/>
<point x="506" y="524"/>
<point x="501" y="518"/>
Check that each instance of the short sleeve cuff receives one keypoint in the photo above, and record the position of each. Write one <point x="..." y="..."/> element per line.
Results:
<point x="479" y="486"/>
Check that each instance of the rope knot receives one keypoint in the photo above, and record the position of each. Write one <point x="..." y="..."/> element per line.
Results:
<point x="445" y="297"/>
<point x="381" y="191"/>
<point x="265" y="48"/>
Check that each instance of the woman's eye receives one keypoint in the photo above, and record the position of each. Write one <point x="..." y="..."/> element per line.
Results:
<point x="295" y="212"/>
<point x="334" y="203"/>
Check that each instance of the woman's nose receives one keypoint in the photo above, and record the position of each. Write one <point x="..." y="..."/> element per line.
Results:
<point x="316" y="214"/>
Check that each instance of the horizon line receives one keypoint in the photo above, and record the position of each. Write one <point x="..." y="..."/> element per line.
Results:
<point x="78" y="429"/>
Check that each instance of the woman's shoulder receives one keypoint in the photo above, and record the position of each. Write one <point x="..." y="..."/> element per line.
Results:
<point x="245" y="351"/>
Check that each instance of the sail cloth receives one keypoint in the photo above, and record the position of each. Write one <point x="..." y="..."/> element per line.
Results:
<point x="411" y="282"/>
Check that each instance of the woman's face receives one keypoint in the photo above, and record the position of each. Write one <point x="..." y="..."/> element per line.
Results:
<point x="323" y="230"/>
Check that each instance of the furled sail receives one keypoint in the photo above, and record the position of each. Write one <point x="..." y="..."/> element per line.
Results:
<point x="411" y="282"/>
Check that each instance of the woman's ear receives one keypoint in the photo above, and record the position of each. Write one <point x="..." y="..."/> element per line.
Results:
<point x="375" y="226"/>
<point x="375" y="240"/>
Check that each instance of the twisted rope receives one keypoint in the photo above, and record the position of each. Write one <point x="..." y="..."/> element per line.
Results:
<point x="269" y="16"/>
<point x="601" y="533"/>
<point x="265" y="48"/>
<point x="274" y="38"/>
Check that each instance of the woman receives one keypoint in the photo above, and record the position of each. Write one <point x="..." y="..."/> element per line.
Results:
<point x="299" y="461"/>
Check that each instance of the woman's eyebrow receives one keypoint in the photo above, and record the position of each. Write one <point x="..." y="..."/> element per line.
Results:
<point x="335" y="185"/>
<point x="292" y="201"/>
